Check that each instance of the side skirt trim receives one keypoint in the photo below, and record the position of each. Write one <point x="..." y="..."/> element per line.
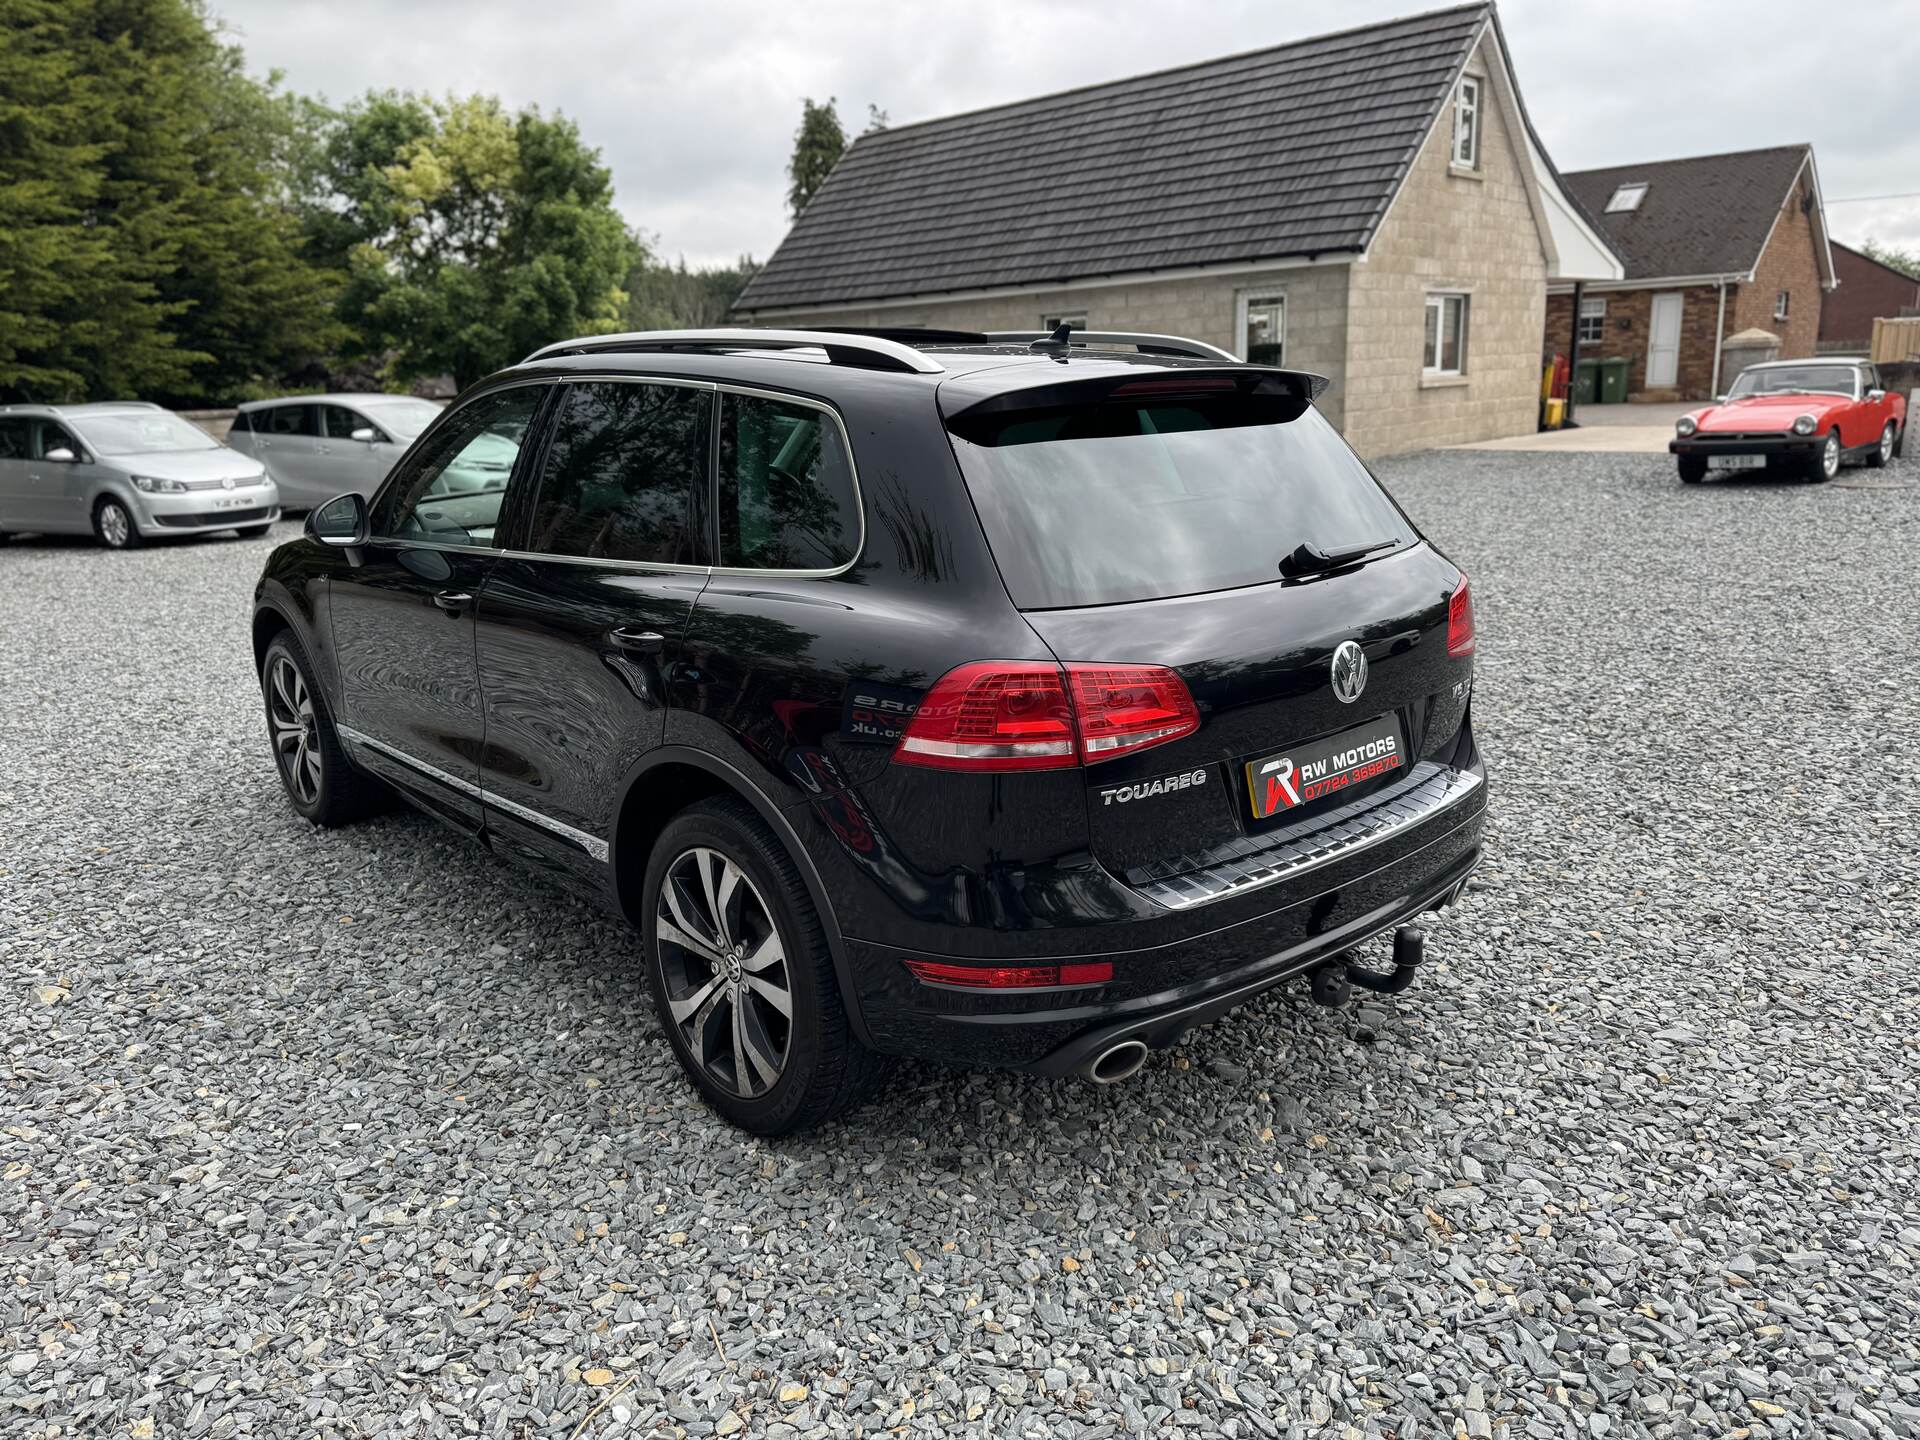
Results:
<point x="592" y="844"/>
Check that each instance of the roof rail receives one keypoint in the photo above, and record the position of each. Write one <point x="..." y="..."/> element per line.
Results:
<point x="1145" y="343"/>
<point x="865" y="351"/>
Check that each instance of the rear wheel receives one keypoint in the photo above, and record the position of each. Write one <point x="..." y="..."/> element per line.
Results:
<point x="1900" y="442"/>
<point x="113" y="525"/>
<point x="742" y="977"/>
<point x="1883" y="452"/>
<point x="320" y="783"/>
<point x="1693" y="469"/>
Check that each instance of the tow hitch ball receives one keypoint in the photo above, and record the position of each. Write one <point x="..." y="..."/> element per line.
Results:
<point x="1333" y="982"/>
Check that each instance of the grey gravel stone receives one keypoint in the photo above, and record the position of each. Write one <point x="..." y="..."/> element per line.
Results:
<point x="364" y="1134"/>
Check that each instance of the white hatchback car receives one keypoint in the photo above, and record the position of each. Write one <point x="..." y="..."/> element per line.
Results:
<point x="124" y="471"/>
<point x="320" y="446"/>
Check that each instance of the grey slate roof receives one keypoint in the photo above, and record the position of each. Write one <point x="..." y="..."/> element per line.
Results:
<point x="1293" y="151"/>
<point x="1707" y="215"/>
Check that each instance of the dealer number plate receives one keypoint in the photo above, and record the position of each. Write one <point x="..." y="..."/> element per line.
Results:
<point x="1320" y="768"/>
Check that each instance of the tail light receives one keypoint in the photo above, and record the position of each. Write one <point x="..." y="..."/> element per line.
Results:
<point x="998" y="715"/>
<point x="1460" y="620"/>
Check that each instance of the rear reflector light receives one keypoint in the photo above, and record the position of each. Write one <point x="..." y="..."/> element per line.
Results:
<point x="998" y="715"/>
<point x="1011" y="977"/>
<point x="1460" y="620"/>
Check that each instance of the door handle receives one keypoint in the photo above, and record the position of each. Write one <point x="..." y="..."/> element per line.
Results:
<point x="643" y="642"/>
<point x="454" y="602"/>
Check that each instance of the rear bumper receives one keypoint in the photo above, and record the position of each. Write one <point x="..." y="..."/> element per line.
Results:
<point x="1163" y="987"/>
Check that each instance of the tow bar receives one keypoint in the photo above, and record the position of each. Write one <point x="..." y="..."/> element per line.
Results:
<point x="1332" y="982"/>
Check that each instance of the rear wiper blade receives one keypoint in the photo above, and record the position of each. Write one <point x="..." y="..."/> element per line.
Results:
<point x="1309" y="559"/>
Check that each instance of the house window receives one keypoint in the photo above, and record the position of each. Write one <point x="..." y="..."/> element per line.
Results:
<point x="1263" y="328"/>
<point x="1627" y="197"/>
<point x="1466" y="123"/>
<point x="1780" y="306"/>
<point x="1446" y="352"/>
<point x="1593" y="321"/>
<point x="1073" y="320"/>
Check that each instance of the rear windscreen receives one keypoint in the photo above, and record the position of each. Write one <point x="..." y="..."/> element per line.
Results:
<point x="1112" y="501"/>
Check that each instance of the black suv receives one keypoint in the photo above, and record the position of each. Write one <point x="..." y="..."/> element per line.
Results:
<point x="1002" y="700"/>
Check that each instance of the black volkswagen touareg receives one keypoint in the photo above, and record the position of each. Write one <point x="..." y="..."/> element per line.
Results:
<point x="995" y="699"/>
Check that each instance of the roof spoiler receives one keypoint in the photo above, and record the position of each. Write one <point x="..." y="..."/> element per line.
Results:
<point x="980" y="396"/>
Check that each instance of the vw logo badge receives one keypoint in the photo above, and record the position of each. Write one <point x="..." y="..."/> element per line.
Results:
<point x="1349" y="672"/>
<point x="227" y="484"/>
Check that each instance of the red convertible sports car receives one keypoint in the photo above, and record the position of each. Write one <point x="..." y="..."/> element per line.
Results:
<point x="1804" y="418"/>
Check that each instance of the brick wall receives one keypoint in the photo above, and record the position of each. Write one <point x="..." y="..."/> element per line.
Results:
<point x="1628" y="332"/>
<point x="1448" y="231"/>
<point x="1867" y="290"/>
<point x="1791" y="262"/>
<point x="1198" y="308"/>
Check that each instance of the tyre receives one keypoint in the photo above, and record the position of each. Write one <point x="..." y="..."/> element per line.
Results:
<point x="1883" y="452"/>
<point x="113" y="525"/>
<point x="320" y="783"/>
<point x="742" y="978"/>
<point x="1824" y="464"/>
<point x="1693" y="469"/>
<point x="1900" y="443"/>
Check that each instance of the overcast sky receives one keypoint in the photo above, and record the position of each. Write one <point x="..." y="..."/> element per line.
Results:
<point x="694" y="103"/>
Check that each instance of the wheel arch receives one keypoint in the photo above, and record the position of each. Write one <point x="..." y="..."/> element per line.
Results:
<point x="665" y="782"/>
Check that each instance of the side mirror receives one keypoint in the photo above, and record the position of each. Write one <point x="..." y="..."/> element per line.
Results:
<point x="1874" y="397"/>
<point x="365" y="434"/>
<point x="61" y="455"/>
<point x="342" y="522"/>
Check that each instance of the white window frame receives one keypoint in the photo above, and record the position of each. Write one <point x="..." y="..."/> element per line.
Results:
<point x="1592" y="307"/>
<point x="1781" y="301"/>
<point x="1467" y="110"/>
<point x="1244" y="302"/>
<point x="1074" y="319"/>
<point x="1437" y="299"/>
<point x="1627" y="197"/>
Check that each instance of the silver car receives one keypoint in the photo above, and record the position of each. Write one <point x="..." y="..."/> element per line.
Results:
<point x="124" y="471"/>
<point x="320" y="446"/>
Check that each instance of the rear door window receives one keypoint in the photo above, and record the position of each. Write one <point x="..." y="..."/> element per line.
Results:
<point x="787" y="498"/>
<point x="625" y="472"/>
<point x="285" y="420"/>
<point x="13" y="439"/>
<point x="1123" y="499"/>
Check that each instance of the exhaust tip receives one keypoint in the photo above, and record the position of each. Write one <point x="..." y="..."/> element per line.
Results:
<point x="1117" y="1062"/>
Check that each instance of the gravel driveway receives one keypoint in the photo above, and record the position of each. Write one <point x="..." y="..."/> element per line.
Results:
<point x="364" y="1134"/>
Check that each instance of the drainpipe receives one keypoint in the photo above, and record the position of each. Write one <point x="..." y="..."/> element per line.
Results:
<point x="1719" y="334"/>
<point x="1573" y="359"/>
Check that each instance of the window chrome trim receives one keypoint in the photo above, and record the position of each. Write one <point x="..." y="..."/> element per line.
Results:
<point x="594" y="846"/>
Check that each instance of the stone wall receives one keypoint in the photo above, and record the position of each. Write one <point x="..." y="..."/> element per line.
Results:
<point x="1198" y="308"/>
<point x="1450" y="230"/>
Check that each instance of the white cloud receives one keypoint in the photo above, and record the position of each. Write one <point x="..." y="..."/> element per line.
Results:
<point x="694" y="104"/>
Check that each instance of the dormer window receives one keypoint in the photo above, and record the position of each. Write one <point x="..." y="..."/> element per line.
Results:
<point x="1627" y="197"/>
<point x="1466" y="123"/>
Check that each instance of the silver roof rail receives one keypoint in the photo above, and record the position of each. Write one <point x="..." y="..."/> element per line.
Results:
<point x="866" y="351"/>
<point x="1150" y="344"/>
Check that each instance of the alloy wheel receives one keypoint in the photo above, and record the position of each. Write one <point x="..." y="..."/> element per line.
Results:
<point x="1886" y="443"/>
<point x="1830" y="457"/>
<point x="116" y="527"/>
<point x="296" y="737"/>
<point x="727" y="984"/>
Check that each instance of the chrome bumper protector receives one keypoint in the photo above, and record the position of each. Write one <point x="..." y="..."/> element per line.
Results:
<point x="1427" y="792"/>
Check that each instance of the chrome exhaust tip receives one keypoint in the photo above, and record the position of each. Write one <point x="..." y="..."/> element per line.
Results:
<point x="1116" y="1063"/>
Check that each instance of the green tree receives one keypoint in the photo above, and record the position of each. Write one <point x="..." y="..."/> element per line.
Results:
<point x="470" y="236"/>
<point x="147" y="243"/>
<point x="1907" y="262"/>
<point x="672" y="297"/>
<point x="817" y="147"/>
